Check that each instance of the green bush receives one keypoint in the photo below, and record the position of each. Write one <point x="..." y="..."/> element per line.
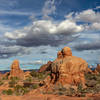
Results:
<point x="37" y="75"/>
<point x="91" y="76"/>
<point x="29" y="79"/>
<point x="1" y="83"/>
<point x="70" y="92"/>
<point x="20" y="90"/>
<point x="5" y="78"/>
<point x="7" y="92"/>
<point x="12" y="83"/>
<point x="80" y="88"/>
<point x="14" y="78"/>
<point x="34" y="86"/>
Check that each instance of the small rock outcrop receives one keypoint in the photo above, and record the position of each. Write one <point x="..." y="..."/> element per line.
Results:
<point x="15" y="70"/>
<point x="98" y="68"/>
<point x="45" y="67"/>
<point x="68" y="69"/>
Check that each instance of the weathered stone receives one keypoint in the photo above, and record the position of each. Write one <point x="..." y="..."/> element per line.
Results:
<point x="68" y="69"/>
<point x="15" y="70"/>
<point x="98" y="68"/>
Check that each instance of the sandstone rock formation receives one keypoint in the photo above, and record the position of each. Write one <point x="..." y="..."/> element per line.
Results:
<point x="98" y="68"/>
<point x="15" y="70"/>
<point x="45" y="67"/>
<point x="68" y="69"/>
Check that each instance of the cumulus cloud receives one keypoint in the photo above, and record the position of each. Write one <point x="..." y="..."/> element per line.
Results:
<point x="98" y="7"/>
<point x="88" y="16"/>
<point x="95" y="26"/>
<point x="45" y="32"/>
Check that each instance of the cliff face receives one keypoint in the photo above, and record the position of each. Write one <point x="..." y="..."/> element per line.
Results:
<point x="68" y="69"/>
<point x="15" y="70"/>
<point x="98" y="68"/>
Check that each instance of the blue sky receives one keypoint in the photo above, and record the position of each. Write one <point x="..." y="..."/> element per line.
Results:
<point x="33" y="31"/>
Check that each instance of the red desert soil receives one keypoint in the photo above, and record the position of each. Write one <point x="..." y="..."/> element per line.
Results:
<point x="43" y="97"/>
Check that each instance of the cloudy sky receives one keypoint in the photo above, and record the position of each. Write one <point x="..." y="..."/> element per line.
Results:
<point x="34" y="30"/>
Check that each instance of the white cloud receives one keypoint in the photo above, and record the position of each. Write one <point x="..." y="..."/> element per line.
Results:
<point x="95" y="26"/>
<point x="44" y="32"/>
<point x="98" y="7"/>
<point x="88" y="16"/>
<point x="49" y="8"/>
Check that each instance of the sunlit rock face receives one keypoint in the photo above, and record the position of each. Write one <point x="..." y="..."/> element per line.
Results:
<point x="68" y="69"/>
<point x="98" y="68"/>
<point x="15" y="70"/>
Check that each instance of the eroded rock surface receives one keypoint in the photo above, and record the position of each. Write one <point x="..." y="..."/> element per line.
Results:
<point x="68" y="69"/>
<point x="98" y="68"/>
<point x="15" y="70"/>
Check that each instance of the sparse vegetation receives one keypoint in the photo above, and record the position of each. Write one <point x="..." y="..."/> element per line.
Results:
<point x="7" y="92"/>
<point x="37" y="75"/>
<point x="1" y="82"/>
<point x="13" y="81"/>
<point x="28" y="79"/>
<point x="20" y="90"/>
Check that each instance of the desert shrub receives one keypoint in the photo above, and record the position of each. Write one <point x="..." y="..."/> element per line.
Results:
<point x="7" y="92"/>
<point x="90" y="76"/>
<point x="5" y="78"/>
<point x="33" y="73"/>
<point x="61" y="90"/>
<point x="1" y="83"/>
<point x="20" y="90"/>
<point x="34" y="86"/>
<point x="12" y="83"/>
<point x="80" y="91"/>
<point x="79" y="88"/>
<point x="14" y="78"/>
<point x="37" y="75"/>
<point x="70" y="92"/>
<point x="31" y="85"/>
<point x="28" y="79"/>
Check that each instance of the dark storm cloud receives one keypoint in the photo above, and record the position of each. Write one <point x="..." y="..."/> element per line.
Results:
<point x="6" y="52"/>
<point x="39" y="40"/>
<point x="88" y="46"/>
<point x="9" y="49"/>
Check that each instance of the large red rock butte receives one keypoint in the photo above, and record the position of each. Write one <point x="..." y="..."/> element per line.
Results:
<point x="15" y="70"/>
<point x="68" y="69"/>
